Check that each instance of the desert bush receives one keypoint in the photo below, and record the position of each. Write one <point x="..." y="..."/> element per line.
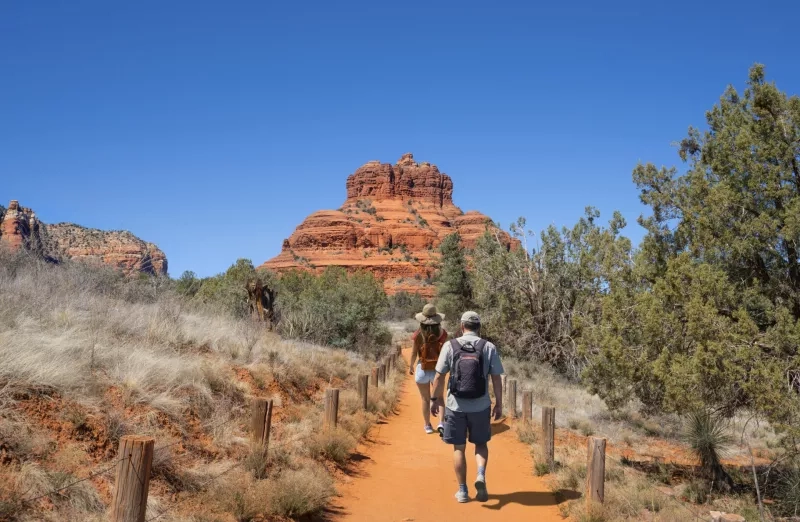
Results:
<point x="533" y="301"/>
<point x="227" y="292"/>
<point x="335" y="444"/>
<point x="296" y="493"/>
<point x="786" y="491"/>
<point x="404" y="305"/>
<point x="334" y="308"/>
<point x="527" y="433"/>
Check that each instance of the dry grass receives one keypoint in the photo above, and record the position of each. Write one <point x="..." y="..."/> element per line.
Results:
<point x="630" y="493"/>
<point x="587" y="414"/>
<point x="126" y="356"/>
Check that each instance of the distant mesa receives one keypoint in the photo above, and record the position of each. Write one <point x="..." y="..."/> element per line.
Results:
<point x="121" y="250"/>
<point x="391" y="224"/>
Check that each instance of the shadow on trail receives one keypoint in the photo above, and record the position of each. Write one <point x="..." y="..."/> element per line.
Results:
<point x="499" y="428"/>
<point x="524" y="498"/>
<point x="353" y="468"/>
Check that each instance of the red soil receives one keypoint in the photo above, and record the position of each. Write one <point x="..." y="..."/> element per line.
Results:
<point x="403" y="474"/>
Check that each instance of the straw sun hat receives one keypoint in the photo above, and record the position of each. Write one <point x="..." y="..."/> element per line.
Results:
<point x="429" y="315"/>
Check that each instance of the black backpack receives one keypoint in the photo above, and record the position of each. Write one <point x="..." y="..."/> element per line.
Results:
<point x="467" y="378"/>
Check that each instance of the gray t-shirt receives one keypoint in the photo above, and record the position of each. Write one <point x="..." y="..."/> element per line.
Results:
<point x="491" y="366"/>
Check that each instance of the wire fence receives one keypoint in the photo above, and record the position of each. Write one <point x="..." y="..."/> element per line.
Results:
<point x="112" y="466"/>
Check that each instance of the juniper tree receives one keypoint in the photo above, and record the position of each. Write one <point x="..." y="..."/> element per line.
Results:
<point x="710" y="319"/>
<point x="453" y="288"/>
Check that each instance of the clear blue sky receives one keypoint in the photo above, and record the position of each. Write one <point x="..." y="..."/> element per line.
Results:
<point x="214" y="128"/>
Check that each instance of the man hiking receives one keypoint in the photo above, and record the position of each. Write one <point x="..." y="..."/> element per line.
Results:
<point x="428" y="341"/>
<point x="470" y="361"/>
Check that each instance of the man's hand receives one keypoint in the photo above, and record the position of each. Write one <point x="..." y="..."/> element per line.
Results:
<point x="435" y="406"/>
<point x="497" y="412"/>
<point x="411" y="370"/>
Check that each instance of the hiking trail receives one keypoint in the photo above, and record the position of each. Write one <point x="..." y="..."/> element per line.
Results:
<point x="401" y="474"/>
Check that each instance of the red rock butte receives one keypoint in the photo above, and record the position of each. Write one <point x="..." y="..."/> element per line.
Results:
<point x="391" y="224"/>
<point x="119" y="249"/>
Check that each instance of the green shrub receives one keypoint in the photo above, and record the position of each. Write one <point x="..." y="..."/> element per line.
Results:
<point x="227" y="291"/>
<point x="404" y="305"/>
<point x="334" y="308"/>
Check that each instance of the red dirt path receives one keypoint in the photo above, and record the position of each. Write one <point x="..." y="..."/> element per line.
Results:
<point x="402" y="474"/>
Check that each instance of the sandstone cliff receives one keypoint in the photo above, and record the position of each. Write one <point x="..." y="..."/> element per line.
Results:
<point x="392" y="222"/>
<point x="121" y="250"/>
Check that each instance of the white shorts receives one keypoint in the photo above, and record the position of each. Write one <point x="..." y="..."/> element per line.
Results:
<point x="424" y="376"/>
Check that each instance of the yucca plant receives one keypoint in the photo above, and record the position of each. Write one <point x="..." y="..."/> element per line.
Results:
<point x="707" y="434"/>
<point x="787" y="494"/>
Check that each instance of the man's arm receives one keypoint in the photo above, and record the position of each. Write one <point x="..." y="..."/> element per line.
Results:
<point x="438" y="391"/>
<point x="495" y="370"/>
<point x="442" y="368"/>
<point x="497" y="384"/>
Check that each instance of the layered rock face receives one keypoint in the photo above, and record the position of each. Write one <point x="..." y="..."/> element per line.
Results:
<point x="20" y="228"/>
<point x="121" y="250"/>
<point x="118" y="249"/>
<point x="392" y="222"/>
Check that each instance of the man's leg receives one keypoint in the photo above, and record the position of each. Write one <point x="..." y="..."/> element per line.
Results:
<point x="455" y="433"/>
<point x="480" y="431"/>
<point x="460" y="463"/>
<point x="481" y="457"/>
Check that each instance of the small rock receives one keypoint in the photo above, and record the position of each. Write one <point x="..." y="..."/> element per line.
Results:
<point x="719" y="516"/>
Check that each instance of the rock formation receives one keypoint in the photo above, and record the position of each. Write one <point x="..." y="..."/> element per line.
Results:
<point x="393" y="220"/>
<point x="20" y="228"/>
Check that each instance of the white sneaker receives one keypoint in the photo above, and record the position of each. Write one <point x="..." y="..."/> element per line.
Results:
<point x="462" y="496"/>
<point x="428" y="429"/>
<point x="480" y="486"/>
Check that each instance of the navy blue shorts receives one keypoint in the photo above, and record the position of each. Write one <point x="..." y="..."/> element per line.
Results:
<point x="457" y="424"/>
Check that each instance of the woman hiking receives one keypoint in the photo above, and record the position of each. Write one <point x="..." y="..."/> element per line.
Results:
<point x="428" y="341"/>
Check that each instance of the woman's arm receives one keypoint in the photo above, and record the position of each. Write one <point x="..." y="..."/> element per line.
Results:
<point x="414" y="352"/>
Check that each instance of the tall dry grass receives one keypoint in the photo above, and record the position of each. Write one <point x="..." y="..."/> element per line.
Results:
<point x="119" y="356"/>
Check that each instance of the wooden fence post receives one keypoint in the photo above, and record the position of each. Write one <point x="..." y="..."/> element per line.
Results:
<point x="382" y="374"/>
<point x="527" y="406"/>
<point x="595" y="472"/>
<point x="549" y="436"/>
<point x="133" y="478"/>
<point x="504" y="381"/>
<point x="374" y="376"/>
<point x="512" y="397"/>
<point x="363" y="387"/>
<point x="331" y="407"/>
<point x="261" y="421"/>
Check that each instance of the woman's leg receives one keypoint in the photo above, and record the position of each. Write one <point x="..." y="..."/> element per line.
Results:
<point x="425" y="393"/>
